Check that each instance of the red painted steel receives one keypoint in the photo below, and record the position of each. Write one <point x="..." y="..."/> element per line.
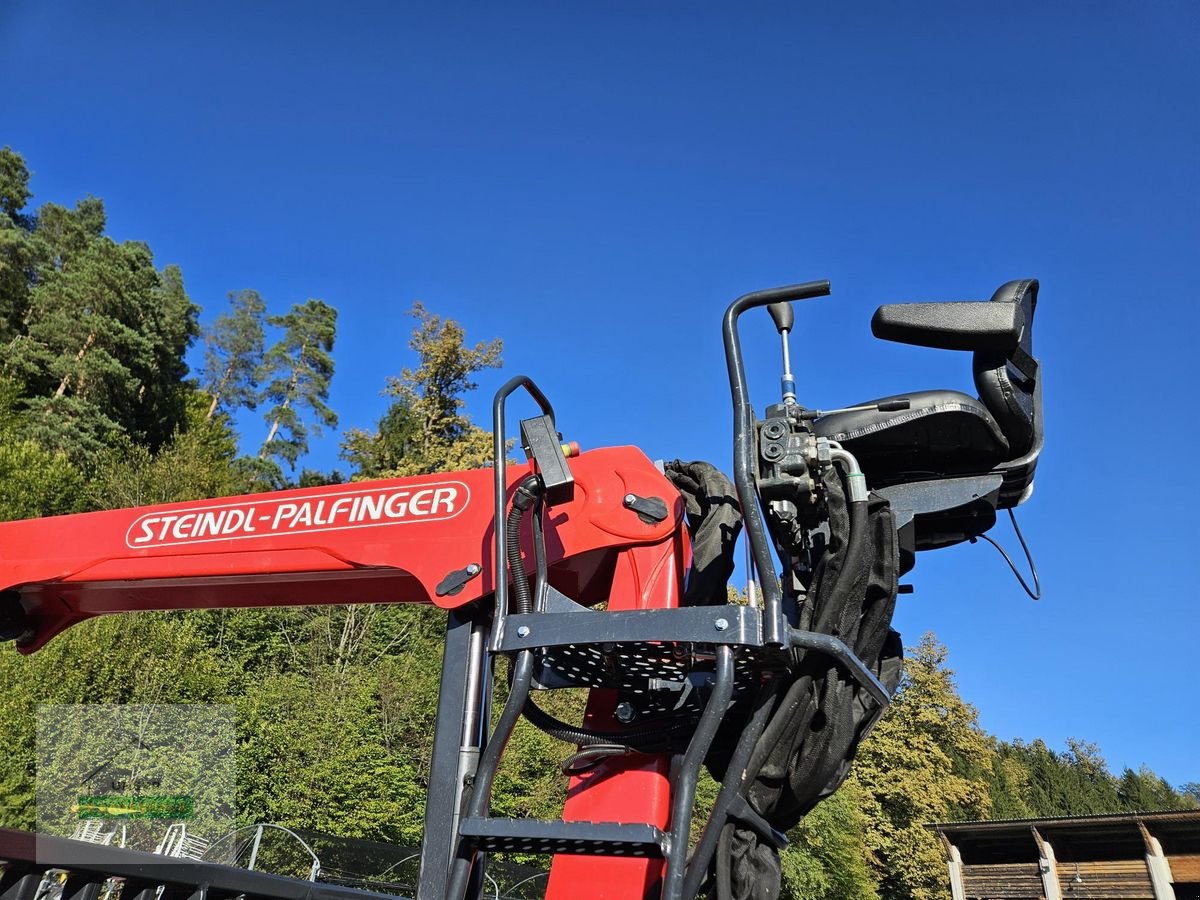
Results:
<point x="390" y="541"/>
<point x="626" y="789"/>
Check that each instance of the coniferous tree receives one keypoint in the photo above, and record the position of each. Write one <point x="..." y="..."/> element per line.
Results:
<point x="234" y="353"/>
<point x="298" y="370"/>
<point x="17" y="248"/>
<point x="99" y="349"/>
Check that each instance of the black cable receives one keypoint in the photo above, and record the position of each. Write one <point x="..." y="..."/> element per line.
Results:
<point x="525" y="496"/>
<point x="1036" y="593"/>
<point x="590" y="757"/>
<point x="732" y="786"/>
<point x="648" y="738"/>
<point x="828" y="620"/>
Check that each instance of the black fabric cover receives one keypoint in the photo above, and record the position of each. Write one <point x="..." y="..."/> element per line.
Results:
<point x="714" y="521"/>
<point x="820" y="716"/>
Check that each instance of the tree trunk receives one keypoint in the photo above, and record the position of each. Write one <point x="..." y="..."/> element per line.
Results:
<point x="66" y="380"/>
<point x="212" y="409"/>
<point x="295" y="379"/>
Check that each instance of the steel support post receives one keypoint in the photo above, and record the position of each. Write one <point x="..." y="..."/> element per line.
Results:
<point x="456" y="742"/>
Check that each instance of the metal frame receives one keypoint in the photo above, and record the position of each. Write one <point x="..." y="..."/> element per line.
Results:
<point x="465" y="758"/>
<point x="28" y="857"/>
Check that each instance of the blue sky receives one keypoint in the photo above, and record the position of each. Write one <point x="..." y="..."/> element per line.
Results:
<point x="594" y="183"/>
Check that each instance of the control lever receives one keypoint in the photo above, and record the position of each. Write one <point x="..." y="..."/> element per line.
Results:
<point x="784" y="318"/>
<point x="897" y="405"/>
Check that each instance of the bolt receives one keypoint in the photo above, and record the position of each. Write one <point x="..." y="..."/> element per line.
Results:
<point x="523" y="631"/>
<point x="474" y="569"/>
<point x="624" y="713"/>
<point x="721" y="624"/>
<point x="630" y="499"/>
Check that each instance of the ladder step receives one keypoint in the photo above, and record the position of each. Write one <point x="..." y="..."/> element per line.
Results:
<point x="543" y="836"/>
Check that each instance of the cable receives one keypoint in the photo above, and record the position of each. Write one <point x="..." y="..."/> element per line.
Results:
<point x="647" y="739"/>
<point x="1036" y="593"/>
<point x="590" y="757"/>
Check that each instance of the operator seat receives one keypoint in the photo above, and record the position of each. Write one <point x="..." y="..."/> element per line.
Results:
<point x="944" y="433"/>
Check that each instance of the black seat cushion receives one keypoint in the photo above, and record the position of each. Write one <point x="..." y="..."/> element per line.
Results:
<point x="941" y="433"/>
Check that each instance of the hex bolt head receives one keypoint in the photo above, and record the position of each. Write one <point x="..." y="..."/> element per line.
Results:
<point x="523" y="631"/>
<point x="474" y="569"/>
<point x="624" y="713"/>
<point x="630" y="499"/>
<point x="721" y="624"/>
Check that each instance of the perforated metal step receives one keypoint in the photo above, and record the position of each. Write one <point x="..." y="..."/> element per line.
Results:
<point x="639" y="671"/>
<point x="541" y="836"/>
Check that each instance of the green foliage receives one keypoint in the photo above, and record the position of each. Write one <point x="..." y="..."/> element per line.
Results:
<point x="95" y="334"/>
<point x="33" y="481"/>
<point x="1143" y="791"/>
<point x="234" y="353"/>
<point x="828" y="858"/>
<point x="298" y="370"/>
<point x="36" y="482"/>
<point x="924" y="762"/>
<point x="137" y="658"/>
<point x="17" y="248"/>
<point x="425" y="429"/>
<point x="312" y="754"/>
<point x="14" y="183"/>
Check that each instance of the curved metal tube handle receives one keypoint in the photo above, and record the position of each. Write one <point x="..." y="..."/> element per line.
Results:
<point x="500" y="470"/>
<point x="774" y="626"/>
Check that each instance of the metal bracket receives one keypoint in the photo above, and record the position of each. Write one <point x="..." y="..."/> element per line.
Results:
<point x="455" y="581"/>
<point x="650" y="510"/>
<point x="566" y="622"/>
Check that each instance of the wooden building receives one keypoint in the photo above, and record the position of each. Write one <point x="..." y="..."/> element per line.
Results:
<point x="1126" y="856"/>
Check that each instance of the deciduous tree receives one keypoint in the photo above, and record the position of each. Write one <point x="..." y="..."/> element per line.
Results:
<point x="426" y="428"/>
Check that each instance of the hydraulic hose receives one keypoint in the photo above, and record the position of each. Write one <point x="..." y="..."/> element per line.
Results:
<point x="645" y="738"/>
<point x="525" y="496"/>
<point x="731" y="787"/>
<point x="856" y="540"/>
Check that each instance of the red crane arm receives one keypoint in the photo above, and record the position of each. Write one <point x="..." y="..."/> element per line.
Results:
<point x="388" y="541"/>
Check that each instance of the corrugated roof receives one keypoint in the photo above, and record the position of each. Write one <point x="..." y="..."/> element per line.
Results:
<point x="1183" y="816"/>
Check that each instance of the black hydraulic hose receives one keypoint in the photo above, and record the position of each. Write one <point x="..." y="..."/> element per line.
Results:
<point x="526" y="495"/>
<point x="731" y="787"/>
<point x="743" y="445"/>
<point x="646" y="738"/>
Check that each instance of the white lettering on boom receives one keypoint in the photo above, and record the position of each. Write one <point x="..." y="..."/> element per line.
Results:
<point x="297" y="514"/>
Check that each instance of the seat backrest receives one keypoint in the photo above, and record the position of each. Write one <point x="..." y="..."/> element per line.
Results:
<point x="1007" y="381"/>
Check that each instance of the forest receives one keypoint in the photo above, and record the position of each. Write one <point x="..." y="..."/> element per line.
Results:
<point x="112" y="394"/>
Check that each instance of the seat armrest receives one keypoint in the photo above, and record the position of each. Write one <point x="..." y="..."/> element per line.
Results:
<point x="977" y="325"/>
